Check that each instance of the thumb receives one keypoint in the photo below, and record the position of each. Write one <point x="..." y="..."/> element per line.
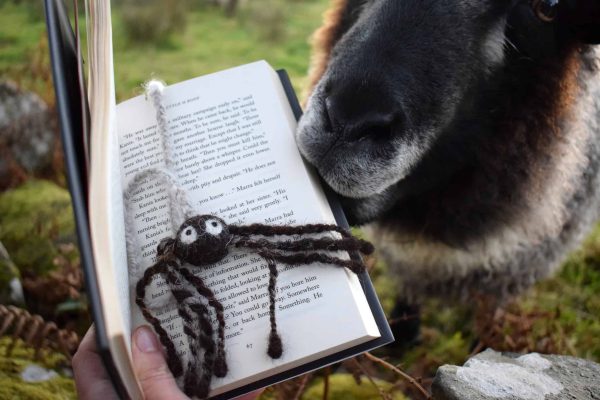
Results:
<point x="151" y="368"/>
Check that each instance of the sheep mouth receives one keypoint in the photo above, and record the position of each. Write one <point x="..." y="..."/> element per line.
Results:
<point x="357" y="166"/>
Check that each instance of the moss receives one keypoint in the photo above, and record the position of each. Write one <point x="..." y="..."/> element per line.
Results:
<point x="573" y="299"/>
<point x="13" y="387"/>
<point x="563" y="312"/>
<point x="445" y="338"/>
<point x="344" y="387"/>
<point x="34" y="218"/>
<point x="384" y="282"/>
<point x="8" y="272"/>
<point x="55" y="389"/>
<point x="385" y="285"/>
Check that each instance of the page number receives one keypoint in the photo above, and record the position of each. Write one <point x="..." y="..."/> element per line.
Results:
<point x="249" y="345"/>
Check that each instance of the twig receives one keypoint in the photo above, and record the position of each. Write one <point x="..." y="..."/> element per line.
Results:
<point x="403" y="318"/>
<point x="301" y="387"/>
<point x="477" y="349"/>
<point x="366" y="373"/>
<point x="326" y="383"/>
<point x="403" y="374"/>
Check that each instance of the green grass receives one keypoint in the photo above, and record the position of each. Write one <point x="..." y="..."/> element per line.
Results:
<point x="20" y="32"/>
<point x="573" y="298"/>
<point x="212" y="43"/>
<point x="209" y="43"/>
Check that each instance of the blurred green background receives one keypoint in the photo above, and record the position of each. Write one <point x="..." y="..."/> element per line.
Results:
<point x="176" y="40"/>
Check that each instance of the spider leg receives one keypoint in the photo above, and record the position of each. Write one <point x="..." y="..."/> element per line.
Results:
<point x="206" y="340"/>
<point x="275" y="348"/>
<point x="198" y="328"/>
<point x="173" y="361"/>
<point x="191" y="328"/>
<point x="307" y="244"/>
<point x="287" y="230"/>
<point x="299" y="259"/>
<point x="220" y="367"/>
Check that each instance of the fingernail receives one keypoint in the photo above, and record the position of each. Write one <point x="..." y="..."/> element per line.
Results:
<point x="145" y="340"/>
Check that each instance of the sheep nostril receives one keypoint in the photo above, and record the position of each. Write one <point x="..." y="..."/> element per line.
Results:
<point x="357" y="109"/>
<point x="379" y="130"/>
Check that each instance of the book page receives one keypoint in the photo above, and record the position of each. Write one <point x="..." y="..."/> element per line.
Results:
<point x="235" y="154"/>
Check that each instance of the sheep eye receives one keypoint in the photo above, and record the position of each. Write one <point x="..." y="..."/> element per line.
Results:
<point x="213" y="227"/>
<point x="188" y="235"/>
<point x="546" y="10"/>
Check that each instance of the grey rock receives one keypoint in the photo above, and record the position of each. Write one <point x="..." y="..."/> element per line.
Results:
<point x="27" y="130"/>
<point x="493" y="375"/>
<point x="34" y="373"/>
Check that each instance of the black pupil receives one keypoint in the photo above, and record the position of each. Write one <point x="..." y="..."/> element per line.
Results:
<point x="188" y="232"/>
<point x="214" y="224"/>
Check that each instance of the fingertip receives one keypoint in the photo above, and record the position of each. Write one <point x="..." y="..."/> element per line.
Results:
<point x="151" y="368"/>
<point x="145" y="340"/>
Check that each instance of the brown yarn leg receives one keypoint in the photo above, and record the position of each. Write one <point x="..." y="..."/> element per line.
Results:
<point x="300" y="259"/>
<point x="198" y="328"/>
<point x="189" y="377"/>
<point x="351" y="244"/>
<point x="220" y="366"/>
<point x="173" y="360"/>
<point x="204" y="340"/>
<point x="275" y="348"/>
<point x="272" y="230"/>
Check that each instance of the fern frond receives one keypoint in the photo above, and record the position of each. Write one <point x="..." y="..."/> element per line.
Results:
<point x="35" y="332"/>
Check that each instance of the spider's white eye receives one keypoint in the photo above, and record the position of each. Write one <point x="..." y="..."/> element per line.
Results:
<point x="213" y="227"/>
<point x="188" y="235"/>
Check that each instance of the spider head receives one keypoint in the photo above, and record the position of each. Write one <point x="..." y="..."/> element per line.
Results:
<point x="202" y="240"/>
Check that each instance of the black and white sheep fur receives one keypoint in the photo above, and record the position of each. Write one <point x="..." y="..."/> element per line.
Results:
<point x="492" y="174"/>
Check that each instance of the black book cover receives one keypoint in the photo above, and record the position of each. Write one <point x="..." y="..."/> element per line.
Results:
<point x="69" y="101"/>
<point x="65" y="65"/>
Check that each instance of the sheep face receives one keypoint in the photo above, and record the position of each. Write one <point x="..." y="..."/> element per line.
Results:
<point x="397" y="76"/>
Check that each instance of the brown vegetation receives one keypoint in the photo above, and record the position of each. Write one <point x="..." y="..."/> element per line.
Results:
<point x="35" y="332"/>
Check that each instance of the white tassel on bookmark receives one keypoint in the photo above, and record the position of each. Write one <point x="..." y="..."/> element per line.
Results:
<point x="179" y="206"/>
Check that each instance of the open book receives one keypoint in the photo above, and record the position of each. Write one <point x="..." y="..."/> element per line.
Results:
<point x="232" y="134"/>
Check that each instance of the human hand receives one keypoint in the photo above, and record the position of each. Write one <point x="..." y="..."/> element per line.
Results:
<point x="149" y="364"/>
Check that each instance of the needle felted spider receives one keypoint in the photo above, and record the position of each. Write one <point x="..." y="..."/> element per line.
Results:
<point x="206" y="239"/>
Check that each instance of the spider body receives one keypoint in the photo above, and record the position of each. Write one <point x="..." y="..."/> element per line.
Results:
<point x="206" y="239"/>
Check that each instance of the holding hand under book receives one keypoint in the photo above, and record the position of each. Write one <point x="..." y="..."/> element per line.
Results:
<point x="157" y="383"/>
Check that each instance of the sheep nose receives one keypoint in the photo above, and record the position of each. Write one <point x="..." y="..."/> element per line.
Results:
<point x="360" y="111"/>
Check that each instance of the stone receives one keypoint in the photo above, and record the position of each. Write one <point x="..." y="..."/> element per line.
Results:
<point x="34" y="373"/>
<point x="493" y="375"/>
<point x="27" y="133"/>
